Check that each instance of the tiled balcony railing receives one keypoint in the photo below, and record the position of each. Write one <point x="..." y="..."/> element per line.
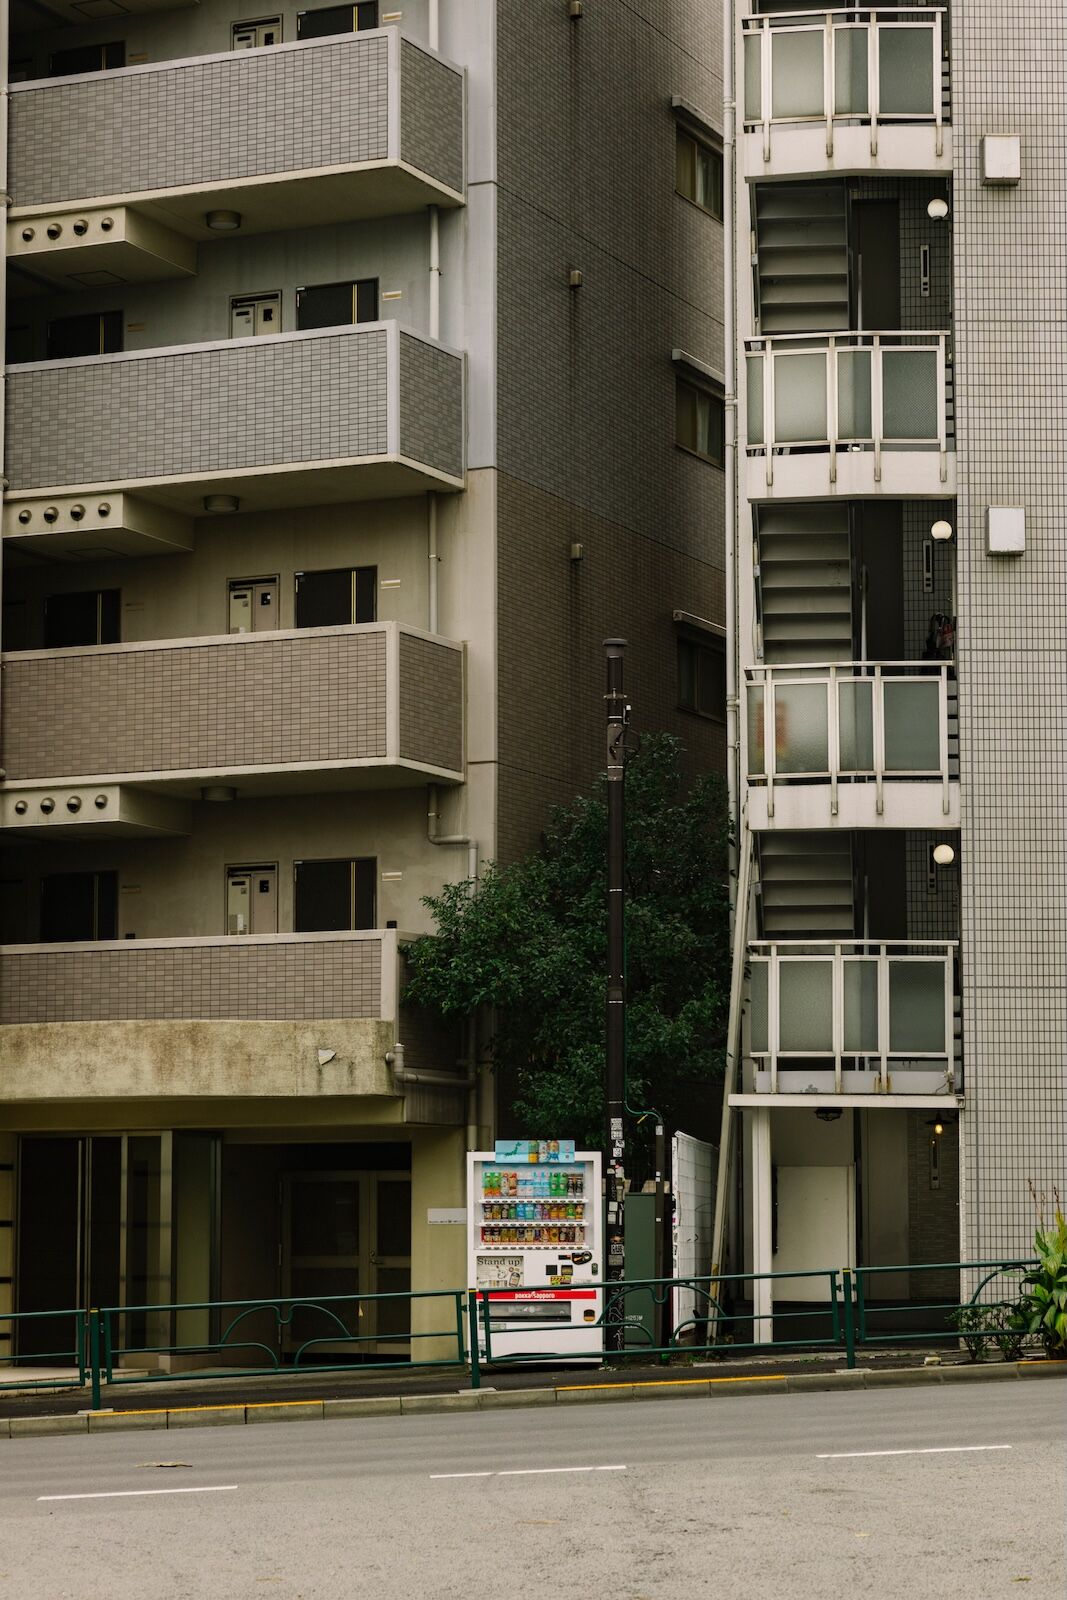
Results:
<point x="370" y="409"/>
<point x="246" y="128"/>
<point x="247" y="708"/>
<point x="841" y="396"/>
<point x="270" y="978"/>
<point x="852" y="1017"/>
<point x="867" y="64"/>
<point x="848" y="723"/>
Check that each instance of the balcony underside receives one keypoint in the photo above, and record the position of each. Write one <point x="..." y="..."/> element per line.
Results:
<point x="906" y="803"/>
<point x="806" y="475"/>
<point x="798" y="150"/>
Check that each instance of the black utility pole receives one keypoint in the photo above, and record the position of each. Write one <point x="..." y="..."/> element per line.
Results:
<point x="615" y="1065"/>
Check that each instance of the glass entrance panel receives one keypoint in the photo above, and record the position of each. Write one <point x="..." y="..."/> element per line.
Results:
<point x="805" y="1007"/>
<point x="323" y="1257"/>
<point x="909" y="394"/>
<point x="917" y="1007"/>
<point x="800" y="398"/>
<point x="855" y="715"/>
<point x="800" y="736"/>
<point x="905" y="71"/>
<point x="796" y="73"/>
<point x="147" y="1239"/>
<point x="912" y="725"/>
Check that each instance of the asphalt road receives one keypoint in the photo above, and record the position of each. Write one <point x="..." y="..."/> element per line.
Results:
<point x="668" y="1500"/>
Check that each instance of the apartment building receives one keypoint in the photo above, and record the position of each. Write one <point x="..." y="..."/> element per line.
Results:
<point x="897" y="194"/>
<point x="364" y="371"/>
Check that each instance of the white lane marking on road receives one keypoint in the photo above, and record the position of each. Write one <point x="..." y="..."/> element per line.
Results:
<point x="129" y="1494"/>
<point x="523" y="1472"/>
<point x="931" y="1450"/>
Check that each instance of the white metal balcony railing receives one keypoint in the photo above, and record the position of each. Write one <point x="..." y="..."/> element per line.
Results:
<point x="875" y="392"/>
<point x="868" y="1010"/>
<point x="844" y="66"/>
<point x="851" y="722"/>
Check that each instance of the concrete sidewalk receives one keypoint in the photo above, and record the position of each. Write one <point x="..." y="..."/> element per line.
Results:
<point x="606" y="1385"/>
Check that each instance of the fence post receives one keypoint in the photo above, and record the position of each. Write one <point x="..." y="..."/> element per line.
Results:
<point x="94" y="1355"/>
<point x="472" y="1321"/>
<point x="850" y="1325"/>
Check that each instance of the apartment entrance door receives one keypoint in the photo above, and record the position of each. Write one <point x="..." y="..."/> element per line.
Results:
<point x="346" y="1233"/>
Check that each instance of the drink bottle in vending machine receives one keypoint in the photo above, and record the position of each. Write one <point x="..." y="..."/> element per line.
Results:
<point x="535" y="1245"/>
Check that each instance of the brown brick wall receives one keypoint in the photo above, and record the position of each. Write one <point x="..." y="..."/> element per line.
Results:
<point x="272" y="981"/>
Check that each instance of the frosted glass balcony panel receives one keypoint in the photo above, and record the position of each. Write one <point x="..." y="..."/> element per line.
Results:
<point x="850" y="72"/>
<point x="856" y="726"/>
<point x="796" y="73"/>
<point x="757" y="749"/>
<point x="854" y="394"/>
<point x="754" y="366"/>
<point x="861" y="1007"/>
<point x="805" y="1002"/>
<point x="757" y="1023"/>
<point x="800" y="735"/>
<point x="905" y="71"/>
<point x="753" y="77"/>
<point x="917" y="1007"/>
<point x="800" y="398"/>
<point x="912" y="726"/>
<point x="909" y="394"/>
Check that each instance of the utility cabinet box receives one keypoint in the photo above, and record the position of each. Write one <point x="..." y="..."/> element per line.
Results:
<point x="1005" y="530"/>
<point x="1001" y="158"/>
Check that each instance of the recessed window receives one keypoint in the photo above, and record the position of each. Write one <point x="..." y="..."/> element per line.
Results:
<point x="79" y="905"/>
<point x="336" y="597"/>
<point x="87" y="58"/>
<point x="334" y="895"/>
<point x="700" y="422"/>
<point x="89" y="616"/>
<point x="321" y="24"/>
<point x="702" y="678"/>
<point x="98" y="334"/>
<point x="698" y="173"/>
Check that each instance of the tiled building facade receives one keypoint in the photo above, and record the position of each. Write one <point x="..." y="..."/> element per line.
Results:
<point x="900" y="1034"/>
<point x="344" y="353"/>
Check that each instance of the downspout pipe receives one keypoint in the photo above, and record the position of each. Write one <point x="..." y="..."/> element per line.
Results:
<point x="4" y="203"/>
<point x="435" y="333"/>
<point x="462" y="840"/>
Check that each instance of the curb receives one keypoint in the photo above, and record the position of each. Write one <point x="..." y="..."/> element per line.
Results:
<point x="518" y="1399"/>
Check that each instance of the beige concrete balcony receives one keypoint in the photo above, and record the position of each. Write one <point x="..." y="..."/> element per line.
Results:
<point x="851" y="415"/>
<point x="337" y="414"/>
<point x="116" y="172"/>
<point x="298" y="711"/>
<point x="844" y="91"/>
<point x="187" y="1018"/>
<point x="851" y="1022"/>
<point x="856" y="745"/>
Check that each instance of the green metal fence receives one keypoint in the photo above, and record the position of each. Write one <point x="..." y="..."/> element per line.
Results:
<point x="833" y="1309"/>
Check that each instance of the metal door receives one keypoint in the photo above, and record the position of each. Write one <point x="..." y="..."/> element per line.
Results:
<point x="253" y="606"/>
<point x="251" y="900"/>
<point x="253" y="315"/>
<point x="256" y="35"/>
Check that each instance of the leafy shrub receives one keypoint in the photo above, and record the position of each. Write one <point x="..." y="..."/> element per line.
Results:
<point x="1043" y="1302"/>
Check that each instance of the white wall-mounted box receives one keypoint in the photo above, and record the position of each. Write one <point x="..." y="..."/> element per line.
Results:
<point x="1005" y="530"/>
<point x="1001" y="158"/>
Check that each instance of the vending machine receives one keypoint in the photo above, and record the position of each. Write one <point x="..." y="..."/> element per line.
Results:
<point x="535" y="1242"/>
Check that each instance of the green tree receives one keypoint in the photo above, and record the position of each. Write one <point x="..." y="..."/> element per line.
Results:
<point x="531" y="947"/>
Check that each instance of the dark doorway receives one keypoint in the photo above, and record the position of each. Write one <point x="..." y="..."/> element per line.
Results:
<point x="68" y="1233"/>
<point x="876" y="257"/>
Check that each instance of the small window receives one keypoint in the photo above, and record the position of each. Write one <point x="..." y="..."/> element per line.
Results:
<point x="99" y="334"/>
<point x="337" y="597"/>
<point x="87" y="58"/>
<point x="337" y="19"/>
<point x="334" y="896"/>
<point x="332" y="305"/>
<point x="702" y="678"/>
<point x="698" y="173"/>
<point x="79" y="905"/>
<point x="89" y="616"/>
<point x="700" y="422"/>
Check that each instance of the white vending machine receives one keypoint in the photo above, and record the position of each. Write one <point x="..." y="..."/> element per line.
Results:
<point x="535" y="1244"/>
